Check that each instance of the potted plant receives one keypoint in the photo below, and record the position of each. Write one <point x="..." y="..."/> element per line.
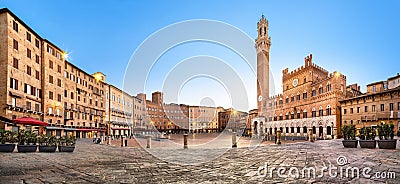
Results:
<point x="26" y="141"/>
<point x="386" y="135"/>
<point x="7" y="140"/>
<point x="47" y="143"/>
<point x="66" y="143"/>
<point x="367" y="137"/>
<point x="349" y="136"/>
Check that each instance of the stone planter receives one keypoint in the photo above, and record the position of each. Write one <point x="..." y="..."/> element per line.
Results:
<point x="47" y="149"/>
<point x="387" y="144"/>
<point x="66" y="148"/>
<point x="350" y="143"/>
<point x="7" y="148"/>
<point x="26" y="148"/>
<point x="367" y="143"/>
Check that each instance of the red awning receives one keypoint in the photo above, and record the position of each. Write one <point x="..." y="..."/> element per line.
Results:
<point x="29" y="121"/>
<point x="116" y="128"/>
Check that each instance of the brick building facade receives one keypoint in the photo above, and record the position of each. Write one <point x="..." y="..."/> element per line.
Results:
<point x="380" y="104"/>
<point x="310" y="97"/>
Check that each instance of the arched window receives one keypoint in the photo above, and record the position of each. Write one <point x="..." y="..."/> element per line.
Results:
<point x="328" y="87"/>
<point x="328" y="110"/>
<point x="313" y="113"/>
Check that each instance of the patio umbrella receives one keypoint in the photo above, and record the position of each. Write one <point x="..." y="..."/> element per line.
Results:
<point x="29" y="121"/>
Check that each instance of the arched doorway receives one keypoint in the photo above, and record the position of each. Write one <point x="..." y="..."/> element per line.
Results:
<point x="314" y="130"/>
<point x="255" y="127"/>
<point x="275" y="129"/>
<point x="304" y="129"/>
<point x="328" y="130"/>
<point x="321" y="131"/>
<point x="270" y="130"/>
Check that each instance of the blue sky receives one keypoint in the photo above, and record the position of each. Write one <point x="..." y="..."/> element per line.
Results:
<point x="357" y="38"/>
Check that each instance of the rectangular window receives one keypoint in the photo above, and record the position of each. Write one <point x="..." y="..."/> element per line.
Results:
<point x="59" y="82"/>
<point x="292" y="99"/>
<point x="28" y="53"/>
<point x="49" y="50"/>
<point x="391" y="108"/>
<point x="366" y="109"/>
<point x="13" y="84"/>
<point x="398" y="106"/>
<point x="373" y="108"/>
<point x="58" y="55"/>
<point x="50" y="79"/>
<point x="15" y="63"/>
<point x="72" y="95"/>
<point x="304" y="95"/>
<point x="358" y="109"/>
<point x="37" y="107"/>
<point x="27" y="89"/>
<point x="59" y="69"/>
<point x="37" y="75"/>
<point x="321" y="90"/>
<point x="314" y="114"/>
<point x="28" y="105"/>
<point x="344" y="111"/>
<point x="28" y="36"/>
<point x="37" y="59"/>
<point x="373" y="88"/>
<point x="51" y="64"/>
<point x="382" y="107"/>
<point x="29" y="70"/>
<point x="37" y="43"/>
<point x="65" y="93"/>
<point x="15" y="26"/>
<point x="15" y="44"/>
<point x="50" y="95"/>
<point x="298" y="97"/>
<point x="50" y="110"/>
<point x="13" y="102"/>
<point x="59" y="97"/>
<point x="351" y="110"/>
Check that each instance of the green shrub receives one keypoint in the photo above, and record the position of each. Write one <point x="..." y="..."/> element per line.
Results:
<point x="348" y="132"/>
<point x="367" y="133"/>
<point x="386" y="131"/>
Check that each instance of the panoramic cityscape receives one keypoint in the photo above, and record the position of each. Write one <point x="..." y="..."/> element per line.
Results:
<point x="189" y="116"/>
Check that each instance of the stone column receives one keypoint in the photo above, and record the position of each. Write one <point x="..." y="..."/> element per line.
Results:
<point x="185" y="142"/>
<point x="234" y="143"/>
<point x="148" y="138"/>
<point x="278" y="136"/>
<point x="310" y="135"/>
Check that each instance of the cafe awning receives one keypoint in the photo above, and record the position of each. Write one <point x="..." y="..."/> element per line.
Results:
<point x="29" y="121"/>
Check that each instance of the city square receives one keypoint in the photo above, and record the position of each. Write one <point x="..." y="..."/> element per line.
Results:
<point x="235" y="165"/>
<point x="132" y="92"/>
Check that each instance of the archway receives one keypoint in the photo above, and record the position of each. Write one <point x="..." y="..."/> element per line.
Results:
<point x="255" y="127"/>
<point x="328" y="130"/>
<point x="314" y="130"/>
<point x="304" y="129"/>
<point x="321" y="131"/>
<point x="261" y="127"/>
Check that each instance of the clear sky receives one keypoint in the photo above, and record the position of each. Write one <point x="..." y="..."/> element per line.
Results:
<point x="357" y="38"/>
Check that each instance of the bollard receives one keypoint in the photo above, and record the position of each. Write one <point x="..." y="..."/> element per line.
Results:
<point x="108" y="140"/>
<point x="234" y="143"/>
<point x="148" y="137"/>
<point x="122" y="141"/>
<point x="278" y="137"/>
<point x="185" y="146"/>
<point x="311" y="136"/>
<point x="126" y="142"/>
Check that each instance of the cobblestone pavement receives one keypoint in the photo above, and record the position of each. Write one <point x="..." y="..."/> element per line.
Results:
<point x="92" y="163"/>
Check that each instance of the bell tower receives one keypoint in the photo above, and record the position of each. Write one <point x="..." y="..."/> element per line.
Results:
<point x="263" y="44"/>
